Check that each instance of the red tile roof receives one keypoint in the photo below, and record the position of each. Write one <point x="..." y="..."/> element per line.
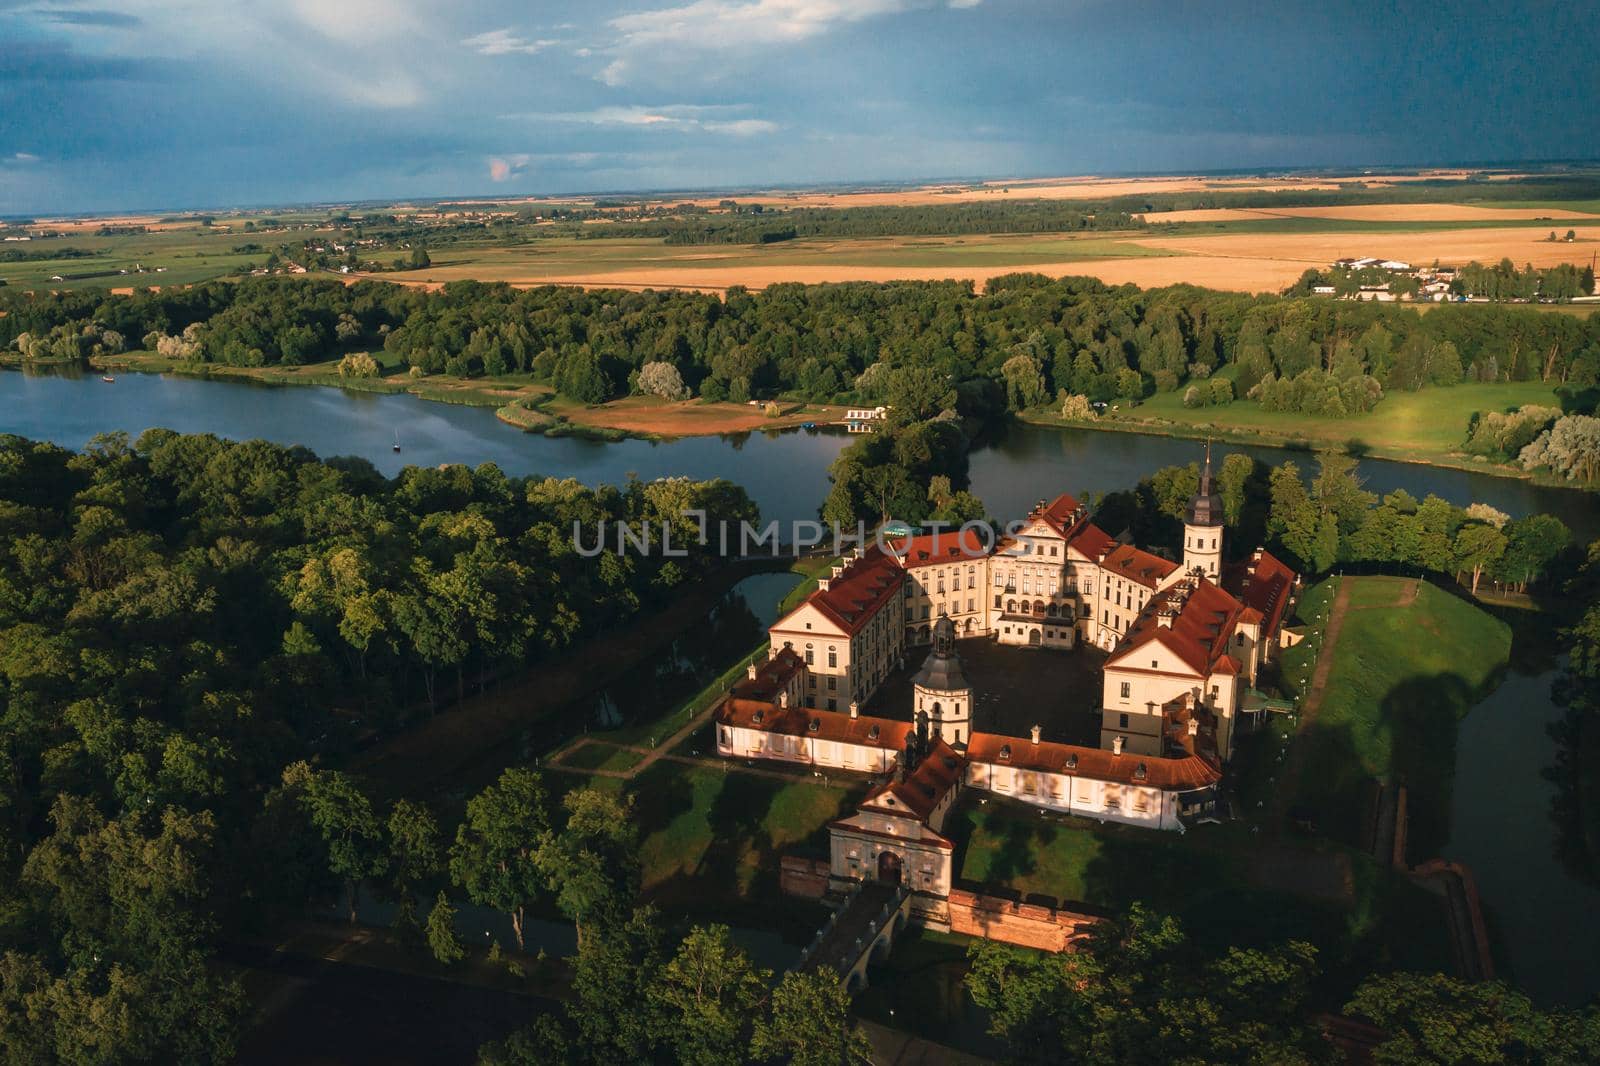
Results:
<point x="925" y="787"/>
<point x="1091" y="541"/>
<point x="1264" y="585"/>
<point x="772" y="676"/>
<point x="1138" y="565"/>
<point x="946" y="546"/>
<point x="1169" y="775"/>
<point x="797" y="722"/>
<point x="1203" y="618"/>
<point x="852" y="598"/>
<point x="1062" y="514"/>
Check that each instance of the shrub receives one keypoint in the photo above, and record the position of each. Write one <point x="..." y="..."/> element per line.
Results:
<point x="662" y="379"/>
<point x="358" y="365"/>
<point x="1075" y="408"/>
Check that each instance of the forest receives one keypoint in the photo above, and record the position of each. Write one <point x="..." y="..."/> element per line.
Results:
<point x="185" y="623"/>
<point x="1033" y="336"/>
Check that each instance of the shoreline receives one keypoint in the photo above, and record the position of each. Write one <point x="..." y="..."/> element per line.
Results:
<point x="522" y="405"/>
<point x="509" y="401"/>
<point x="1304" y="445"/>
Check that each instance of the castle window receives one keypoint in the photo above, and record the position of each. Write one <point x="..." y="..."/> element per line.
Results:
<point x="1124" y="722"/>
<point x="1126" y="687"/>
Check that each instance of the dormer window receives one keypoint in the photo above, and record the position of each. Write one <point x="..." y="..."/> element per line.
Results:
<point x="1005" y="751"/>
<point x="816" y="723"/>
<point x="756" y="718"/>
<point x="1139" y="772"/>
<point x="1072" y="761"/>
<point x="872" y="734"/>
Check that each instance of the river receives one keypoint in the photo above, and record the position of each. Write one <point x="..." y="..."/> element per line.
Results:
<point x="784" y="473"/>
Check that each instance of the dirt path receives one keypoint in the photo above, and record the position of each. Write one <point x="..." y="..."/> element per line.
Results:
<point x="1313" y="703"/>
<point x="453" y="739"/>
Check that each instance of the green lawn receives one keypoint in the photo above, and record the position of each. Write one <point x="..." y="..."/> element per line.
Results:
<point x="598" y="755"/>
<point x="1229" y="887"/>
<point x="1400" y="680"/>
<point x="715" y="837"/>
<point x="1430" y="424"/>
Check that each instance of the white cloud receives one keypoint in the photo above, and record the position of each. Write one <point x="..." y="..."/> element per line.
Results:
<point x="25" y="157"/>
<point x="710" y="25"/>
<point x="731" y="23"/>
<point x="708" y="118"/>
<point x="504" y="42"/>
<point x="356" y="21"/>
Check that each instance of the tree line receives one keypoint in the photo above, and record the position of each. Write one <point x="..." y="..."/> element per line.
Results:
<point x="1034" y="336"/>
<point x="185" y="623"/>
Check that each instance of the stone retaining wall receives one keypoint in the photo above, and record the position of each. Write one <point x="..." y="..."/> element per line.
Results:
<point x="1030" y="925"/>
<point x="803" y="877"/>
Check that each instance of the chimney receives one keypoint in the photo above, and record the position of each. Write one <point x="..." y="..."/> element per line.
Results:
<point x="1035" y="731"/>
<point x="822" y="584"/>
<point x="1116" y="744"/>
<point x="1164" y="618"/>
<point x="855" y="709"/>
<point x="752" y="671"/>
<point x="1194" y="727"/>
<point x="783" y="698"/>
<point x="837" y="569"/>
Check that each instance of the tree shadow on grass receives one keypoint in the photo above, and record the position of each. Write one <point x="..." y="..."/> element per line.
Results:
<point x="1421" y="715"/>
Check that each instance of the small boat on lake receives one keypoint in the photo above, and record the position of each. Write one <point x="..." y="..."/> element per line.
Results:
<point x="107" y="377"/>
<point x="397" y="440"/>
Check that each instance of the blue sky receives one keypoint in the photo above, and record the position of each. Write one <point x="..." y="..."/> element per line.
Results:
<point x="121" y="104"/>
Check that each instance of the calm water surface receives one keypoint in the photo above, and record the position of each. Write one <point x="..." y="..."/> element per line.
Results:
<point x="1501" y="827"/>
<point x="785" y="473"/>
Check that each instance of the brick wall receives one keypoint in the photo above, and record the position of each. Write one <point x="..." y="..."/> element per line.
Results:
<point x="1027" y="924"/>
<point x="805" y="877"/>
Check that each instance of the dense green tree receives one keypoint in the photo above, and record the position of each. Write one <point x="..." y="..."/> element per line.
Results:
<point x="1431" y="1018"/>
<point x="350" y="829"/>
<point x="593" y="861"/>
<point x="441" y="932"/>
<point x="496" y="857"/>
<point x="708" y="993"/>
<point x="808" y="1023"/>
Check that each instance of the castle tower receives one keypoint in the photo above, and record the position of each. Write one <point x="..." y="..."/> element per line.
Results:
<point x="1202" y="527"/>
<point x="940" y="689"/>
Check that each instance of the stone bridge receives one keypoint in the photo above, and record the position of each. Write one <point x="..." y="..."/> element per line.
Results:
<point x="861" y="931"/>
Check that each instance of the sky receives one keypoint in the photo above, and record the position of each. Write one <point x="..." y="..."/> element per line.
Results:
<point x="112" y="105"/>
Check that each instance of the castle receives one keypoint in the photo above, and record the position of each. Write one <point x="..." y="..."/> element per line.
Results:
<point x="1185" y="642"/>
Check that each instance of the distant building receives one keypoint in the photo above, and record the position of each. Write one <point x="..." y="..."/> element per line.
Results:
<point x="864" y="419"/>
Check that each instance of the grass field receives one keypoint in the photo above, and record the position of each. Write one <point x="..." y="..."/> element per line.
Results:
<point x="1401" y="678"/>
<point x="1429" y="425"/>
<point x="713" y="835"/>
<point x="185" y="255"/>
<point x="1227" y="886"/>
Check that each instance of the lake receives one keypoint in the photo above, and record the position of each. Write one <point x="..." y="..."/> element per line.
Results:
<point x="785" y="473"/>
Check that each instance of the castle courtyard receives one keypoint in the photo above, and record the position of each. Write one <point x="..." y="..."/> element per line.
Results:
<point x="1015" y="688"/>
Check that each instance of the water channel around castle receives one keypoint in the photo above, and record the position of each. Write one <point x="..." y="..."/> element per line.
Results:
<point x="1504" y="833"/>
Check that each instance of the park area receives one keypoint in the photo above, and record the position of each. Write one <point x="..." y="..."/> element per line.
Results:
<point x="1429" y="425"/>
<point x="1407" y="661"/>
